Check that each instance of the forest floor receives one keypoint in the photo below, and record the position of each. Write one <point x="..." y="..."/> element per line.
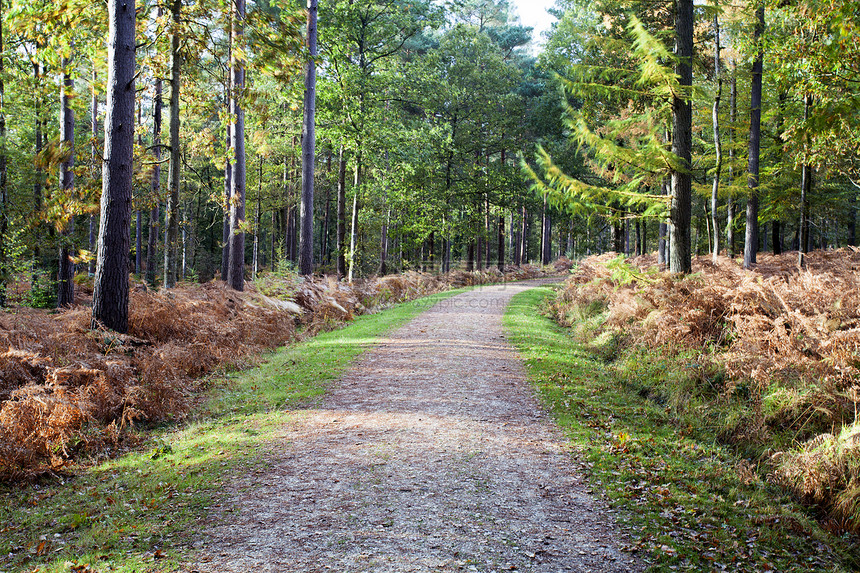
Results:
<point x="430" y="454"/>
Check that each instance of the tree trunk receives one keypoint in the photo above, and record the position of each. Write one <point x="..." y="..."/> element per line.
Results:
<point x="682" y="142"/>
<point x="154" y="214"/>
<point x="353" y="235"/>
<point x="306" y="250"/>
<point x="718" y="148"/>
<point x="501" y="242"/>
<point x="171" y="251"/>
<point x="731" y="204"/>
<point x="225" y="225"/>
<point x="236" y="267"/>
<point x="256" y="255"/>
<point x="4" y="179"/>
<point x="662" y="231"/>
<point x="805" y="189"/>
<point x="110" y="296"/>
<point x="751" y="239"/>
<point x="66" y="274"/>
<point x="341" y="213"/>
<point x="524" y="229"/>
<point x="39" y="181"/>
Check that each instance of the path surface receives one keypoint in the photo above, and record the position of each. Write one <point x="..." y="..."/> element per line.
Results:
<point x="431" y="454"/>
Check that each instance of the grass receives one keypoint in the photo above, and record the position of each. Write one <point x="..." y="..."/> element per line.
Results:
<point x="139" y="512"/>
<point x="689" y="502"/>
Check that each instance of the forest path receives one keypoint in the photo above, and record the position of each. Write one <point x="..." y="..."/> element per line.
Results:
<point x="430" y="454"/>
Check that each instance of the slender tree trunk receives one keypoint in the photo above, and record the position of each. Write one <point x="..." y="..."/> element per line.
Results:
<point x="718" y="148"/>
<point x="662" y="232"/>
<point x="431" y="251"/>
<point x="306" y="250"/>
<point x="751" y="239"/>
<point x="353" y="236"/>
<point x="4" y="179"/>
<point x="501" y="243"/>
<point x="94" y="170"/>
<point x="110" y="296"/>
<point x="524" y="229"/>
<point x="236" y="268"/>
<point x="66" y="274"/>
<point x="341" y="213"/>
<point x="225" y="228"/>
<point x="256" y="258"/>
<point x="805" y="189"/>
<point x="682" y="142"/>
<point x="154" y="214"/>
<point x="730" y="201"/>
<point x="487" y="229"/>
<point x="38" y="184"/>
<point x="324" y="240"/>
<point x="171" y="251"/>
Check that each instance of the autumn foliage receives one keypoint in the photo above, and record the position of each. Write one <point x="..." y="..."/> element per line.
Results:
<point x="68" y="391"/>
<point x="786" y="340"/>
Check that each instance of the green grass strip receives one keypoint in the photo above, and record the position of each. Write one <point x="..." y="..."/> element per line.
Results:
<point x="689" y="503"/>
<point x="140" y="511"/>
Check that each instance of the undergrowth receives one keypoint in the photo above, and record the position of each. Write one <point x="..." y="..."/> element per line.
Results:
<point x="767" y="361"/>
<point x="141" y="511"/>
<point x="69" y="393"/>
<point x="690" y="502"/>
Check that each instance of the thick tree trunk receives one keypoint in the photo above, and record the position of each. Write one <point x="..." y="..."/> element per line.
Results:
<point x="110" y="296"/>
<point x="236" y="268"/>
<point x="682" y="141"/>
<point x="751" y="239"/>
<point x="66" y="273"/>
<point x="718" y="148"/>
<point x="341" y="213"/>
<point x="306" y="249"/>
<point x="171" y="251"/>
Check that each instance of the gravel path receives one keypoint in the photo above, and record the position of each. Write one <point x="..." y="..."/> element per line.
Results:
<point x="431" y="454"/>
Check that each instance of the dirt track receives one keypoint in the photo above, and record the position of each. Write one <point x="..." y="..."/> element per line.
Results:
<point x="431" y="454"/>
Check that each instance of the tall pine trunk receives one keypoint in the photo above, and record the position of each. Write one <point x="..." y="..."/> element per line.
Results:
<point x="110" y="296"/>
<point x="353" y="235"/>
<point x="682" y="141"/>
<point x="805" y="189"/>
<point x="718" y="148"/>
<point x="341" y="213"/>
<point x="236" y="267"/>
<point x="171" y="252"/>
<point x="731" y="204"/>
<point x="751" y="238"/>
<point x="94" y="167"/>
<point x="4" y="179"/>
<point x="154" y="214"/>
<point x="306" y="248"/>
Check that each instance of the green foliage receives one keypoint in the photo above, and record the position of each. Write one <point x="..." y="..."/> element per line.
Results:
<point x="629" y="151"/>
<point x="43" y="291"/>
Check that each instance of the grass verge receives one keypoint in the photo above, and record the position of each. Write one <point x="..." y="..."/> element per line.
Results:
<point x="140" y="512"/>
<point x="690" y="503"/>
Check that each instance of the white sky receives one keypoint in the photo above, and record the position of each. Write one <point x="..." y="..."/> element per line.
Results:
<point x="533" y="13"/>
